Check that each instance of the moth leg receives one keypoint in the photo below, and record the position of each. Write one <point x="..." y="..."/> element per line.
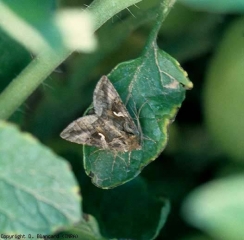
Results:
<point x="137" y="115"/>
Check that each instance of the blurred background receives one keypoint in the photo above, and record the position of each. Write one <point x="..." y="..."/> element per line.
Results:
<point x="201" y="169"/>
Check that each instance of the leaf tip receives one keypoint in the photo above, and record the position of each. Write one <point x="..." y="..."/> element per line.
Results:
<point x="189" y="85"/>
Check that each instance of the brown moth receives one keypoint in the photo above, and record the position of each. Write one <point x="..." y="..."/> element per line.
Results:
<point x="110" y="128"/>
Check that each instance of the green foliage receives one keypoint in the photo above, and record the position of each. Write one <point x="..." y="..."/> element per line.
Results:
<point x="134" y="211"/>
<point x="154" y="87"/>
<point x="31" y="188"/>
<point x="213" y="208"/>
<point x="54" y="103"/>
<point x="47" y="29"/>
<point x="38" y="190"/>
<point x="224" y="93"/>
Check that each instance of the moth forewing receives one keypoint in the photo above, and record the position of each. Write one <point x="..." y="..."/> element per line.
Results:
<point x="107" y="101"/>
<point x="111" y="127"/>
<point x="81" y="130"/>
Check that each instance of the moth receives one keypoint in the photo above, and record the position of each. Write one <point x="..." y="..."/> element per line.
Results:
<point x="109" y="127"/>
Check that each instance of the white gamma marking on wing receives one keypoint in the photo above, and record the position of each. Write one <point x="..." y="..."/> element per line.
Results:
<point x="119" y="114"/>
<point x="102" y="136"/>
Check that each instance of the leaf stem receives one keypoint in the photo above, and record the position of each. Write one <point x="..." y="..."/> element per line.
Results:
<point x="42" y="66"/>
<point x="163" y="11"/>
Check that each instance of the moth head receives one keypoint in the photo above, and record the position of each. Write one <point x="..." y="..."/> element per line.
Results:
<point x="133" y="143"/>
<point x="130" y="127"/>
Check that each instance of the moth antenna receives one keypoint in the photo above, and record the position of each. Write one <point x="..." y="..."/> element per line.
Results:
<point x="137" y="115"/>
<point x="139" y="112"/>
<point x="149" y="139"/>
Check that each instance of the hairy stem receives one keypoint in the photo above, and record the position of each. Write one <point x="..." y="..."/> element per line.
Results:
<point x="42" y="66"/>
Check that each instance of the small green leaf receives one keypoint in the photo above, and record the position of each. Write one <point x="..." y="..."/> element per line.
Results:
<point x="38" y="193"/>
<point x="218" y="208"/>
<point x="152" y="88"/>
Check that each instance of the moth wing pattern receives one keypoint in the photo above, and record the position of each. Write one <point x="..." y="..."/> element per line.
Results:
<point x="109" y="126"/>
<point x="83" y="131"/>
<point x="107" y="102"/>
<point x="106" y="97"/>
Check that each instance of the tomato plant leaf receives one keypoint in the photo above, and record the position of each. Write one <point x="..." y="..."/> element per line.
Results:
<point x="38" y="190"/>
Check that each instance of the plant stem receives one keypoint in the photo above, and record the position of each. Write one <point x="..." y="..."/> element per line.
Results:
<point x="163" y="11"/>
<point x="105" y="9"/>
<point x="42" y="66"/>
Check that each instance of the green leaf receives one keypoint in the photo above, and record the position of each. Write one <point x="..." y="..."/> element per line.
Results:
<point x="223" y="95"/>
<point x="219" y="6"/>
<point x="38" y="190"/>
<point x="218" y="208"/>
<point x="153" y="88"/>
<point x="41" y="66"/>
<point x="128" y="212"/>
<point x="71" y="29"/>
<point x="54" y="102"/>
